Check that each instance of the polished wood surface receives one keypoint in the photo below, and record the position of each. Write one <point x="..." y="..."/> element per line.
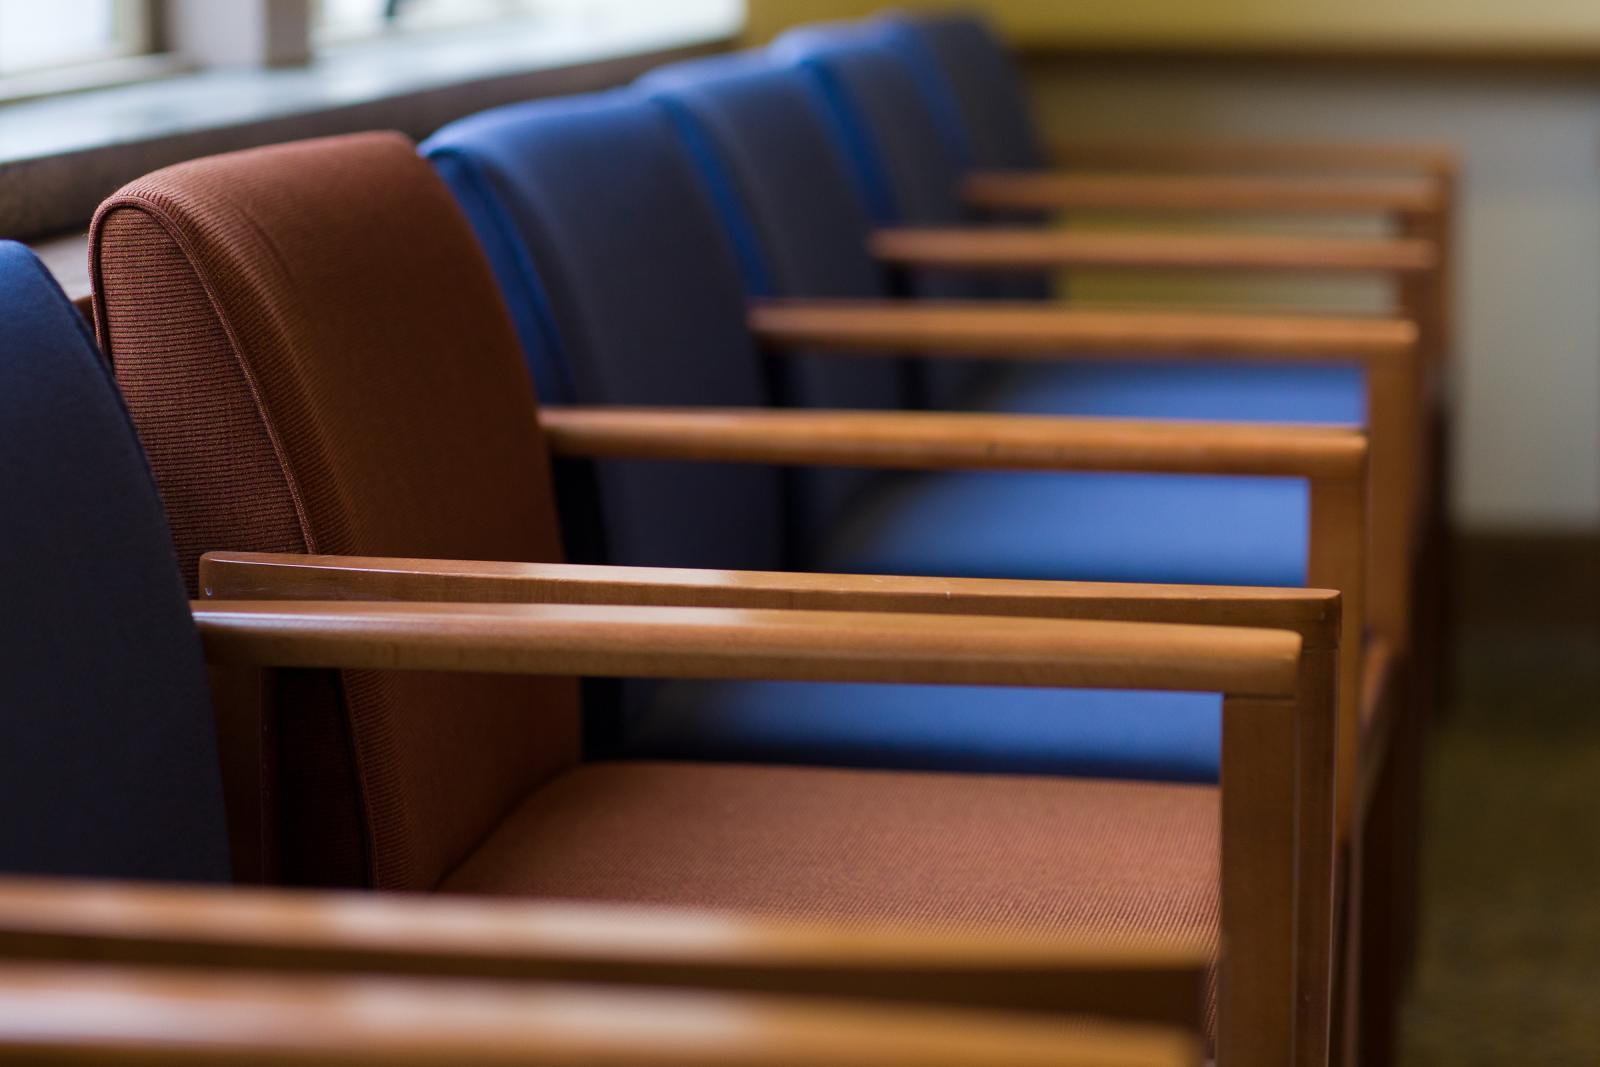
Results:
<point x="1243" y="156"/>
<point x="664" y="642"/>
<point x="1334" y="555"/>
<point x="1225" y="193"/>
<point x="993" y="248"/>
<point x="1029" y="330"/>
<point x="1389" y="350"/>
<point x="1312" y="613"/>
<point x="950" y="440"/>
<point x="251" y="929"/>
<point x="126" y="1016"/>
<point x="1258" y="891"/>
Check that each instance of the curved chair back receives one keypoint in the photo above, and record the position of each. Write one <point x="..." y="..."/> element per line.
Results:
<point x="108" y="761"/>
<point x="317" y="359"/>
<point x="598" y="226"/>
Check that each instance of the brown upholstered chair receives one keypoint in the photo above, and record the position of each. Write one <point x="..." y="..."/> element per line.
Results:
<point x="317" y="361"/>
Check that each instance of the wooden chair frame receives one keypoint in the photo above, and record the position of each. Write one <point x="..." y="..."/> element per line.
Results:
<point x="1278" y="805"/>
<point x="43" y="921"/>
<point x="137" y="1016"/>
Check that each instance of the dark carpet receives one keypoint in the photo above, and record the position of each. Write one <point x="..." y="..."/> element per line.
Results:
<point x="1508" y="970"/>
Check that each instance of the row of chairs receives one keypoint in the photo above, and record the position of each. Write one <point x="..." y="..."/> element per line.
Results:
<point x="1006" y="655"/>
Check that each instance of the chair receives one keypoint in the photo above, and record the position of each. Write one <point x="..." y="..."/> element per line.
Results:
<point x="307" y="375"/>
<point x="111" y="769"/>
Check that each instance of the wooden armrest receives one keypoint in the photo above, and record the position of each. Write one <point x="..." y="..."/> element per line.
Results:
<point x="260" y="930"/>
<point x="1011" y="249"/>
<point x="953" y="440"/>
<point x="1220" y="154"/>
<point x="659" y="642"/>
<point x="111" y="1017"/>
<point x="1223" y="193"/>
<point x="1312" y="613"/>
<point x="1021" y="330"/>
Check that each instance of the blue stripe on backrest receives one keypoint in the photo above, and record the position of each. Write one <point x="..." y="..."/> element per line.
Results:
<point x="713" y="171"/>
<point x="108" y="761"/>
<point x="843" y="120"/>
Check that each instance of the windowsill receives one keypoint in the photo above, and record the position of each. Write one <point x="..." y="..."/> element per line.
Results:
<point x="59" y="156"/>
<point x="89" y="77"/>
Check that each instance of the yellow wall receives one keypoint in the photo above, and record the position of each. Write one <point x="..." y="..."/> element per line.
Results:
<point x="1518" y="24"/>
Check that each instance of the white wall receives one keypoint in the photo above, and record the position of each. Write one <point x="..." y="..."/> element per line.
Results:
<point x="1528" y="299"/>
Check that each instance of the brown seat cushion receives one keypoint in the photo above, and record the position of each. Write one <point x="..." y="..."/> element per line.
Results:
<point x="927" y="850"/>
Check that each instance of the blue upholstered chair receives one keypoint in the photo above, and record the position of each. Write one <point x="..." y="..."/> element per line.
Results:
<point x="912" y="103"/>
<point x="108" y="763"/>
<point x="627" y="289"/>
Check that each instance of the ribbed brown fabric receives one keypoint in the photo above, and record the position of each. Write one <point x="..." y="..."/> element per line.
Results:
<point x="317" y="358"/>
<point x="927" y="850"/>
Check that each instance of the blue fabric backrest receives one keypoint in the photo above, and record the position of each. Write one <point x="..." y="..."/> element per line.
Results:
<point x="973" y="90"/>
<point x="882" y="120"/>
<point x="756" y="133"/>
<point x="968" y="74"/>
<point x="108" y="762"/>
<point x="626" y="291"/>
<point x="884" y="124"/>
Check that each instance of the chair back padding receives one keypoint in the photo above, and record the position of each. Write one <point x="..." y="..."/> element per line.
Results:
<point x="755" y="131"/>
<point x="605" y="241"/>
<point x="108" y="759"/>
<point x="318" y="360"/>
<point x="975" y="94"/>
<point x="968" y="76"/>
<point x="883" y="125"/>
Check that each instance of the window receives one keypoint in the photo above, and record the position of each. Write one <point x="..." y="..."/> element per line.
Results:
<point x="36" y="35"/>
<point x="364" y="18"/>
<point x="341" y="20"/>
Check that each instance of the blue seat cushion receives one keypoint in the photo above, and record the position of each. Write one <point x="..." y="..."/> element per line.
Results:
<point x="1103" y="733"/>
<point x="1083" y="526"/>
<point x="1250" y="392"/>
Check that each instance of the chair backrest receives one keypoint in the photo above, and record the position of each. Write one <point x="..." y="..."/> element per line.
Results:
<point x="108" y="761"/>
<point x="755" y="131"/>
<point x="881" y="121"/>
<point x="967" y="74"/>
<point x="884" y="126"/>
<point x="599" y="228"/>
<point x="317" y="359"/>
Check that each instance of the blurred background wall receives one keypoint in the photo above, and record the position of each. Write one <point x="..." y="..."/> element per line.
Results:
<point x="1514" y="85"/>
